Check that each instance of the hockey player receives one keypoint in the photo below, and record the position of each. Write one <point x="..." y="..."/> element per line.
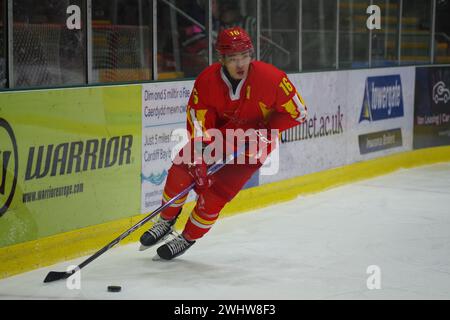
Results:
<point x="235" y="93"/>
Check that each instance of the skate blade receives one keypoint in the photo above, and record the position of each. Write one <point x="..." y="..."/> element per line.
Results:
<point x="158" y="258"/>
<point x="143" y="248"/>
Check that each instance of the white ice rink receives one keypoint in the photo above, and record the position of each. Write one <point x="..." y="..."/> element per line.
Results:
<point x="315" y="247"/>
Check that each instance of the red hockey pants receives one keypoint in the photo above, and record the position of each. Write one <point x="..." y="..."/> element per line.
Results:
<point x="227" y="182"/>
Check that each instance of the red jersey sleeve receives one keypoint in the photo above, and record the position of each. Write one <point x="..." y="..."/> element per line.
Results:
<point x="290" y="109"/>
<point x="201" y="116"/>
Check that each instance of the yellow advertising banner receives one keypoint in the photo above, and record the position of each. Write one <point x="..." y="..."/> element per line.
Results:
<point x="69" y="158"/>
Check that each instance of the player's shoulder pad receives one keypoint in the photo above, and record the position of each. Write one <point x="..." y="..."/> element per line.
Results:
<point x="268" y="72"/>
<point x="208" y="75"/>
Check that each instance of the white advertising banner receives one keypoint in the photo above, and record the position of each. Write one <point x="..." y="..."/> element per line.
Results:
<point x="320" y="142"/>
<point x="353" y="116"/>
<point x="381" y="105"/>
<point x="163" y="112"/>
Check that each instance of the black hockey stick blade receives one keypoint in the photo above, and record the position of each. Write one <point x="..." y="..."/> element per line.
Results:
<point x="55" y="275"/>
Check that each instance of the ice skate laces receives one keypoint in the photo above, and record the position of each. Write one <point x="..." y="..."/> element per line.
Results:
<point x="178" y="244"/>
<point x="160" y="228"/>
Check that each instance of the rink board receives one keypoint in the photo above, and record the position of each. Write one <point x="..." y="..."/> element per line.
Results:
<point x="355" y="117"/>
<point x="163" y="134"/>
<point x="17" y="258"/>
<point x="90" y="222"/>
<point x="432" y="107"/>
<point x="72" y="162"/>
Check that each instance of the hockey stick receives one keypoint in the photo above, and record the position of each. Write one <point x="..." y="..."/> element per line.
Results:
<point x="55" y="275"/>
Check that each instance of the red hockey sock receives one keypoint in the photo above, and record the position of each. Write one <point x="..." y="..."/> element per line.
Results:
<point x="204" y="215"/>
<point x="177" y="180"/>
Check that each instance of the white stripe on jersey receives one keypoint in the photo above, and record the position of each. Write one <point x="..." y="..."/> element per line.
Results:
<point x="197" y="125"/>
<point x="300" y="108"/>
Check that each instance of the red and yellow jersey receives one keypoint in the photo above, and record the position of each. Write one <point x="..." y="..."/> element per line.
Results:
<point x="266" y="96"/>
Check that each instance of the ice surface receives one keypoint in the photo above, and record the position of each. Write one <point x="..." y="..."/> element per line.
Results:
<point x="314" y="247"/>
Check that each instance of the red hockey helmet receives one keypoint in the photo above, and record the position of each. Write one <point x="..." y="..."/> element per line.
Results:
<point x="233" y="40"/>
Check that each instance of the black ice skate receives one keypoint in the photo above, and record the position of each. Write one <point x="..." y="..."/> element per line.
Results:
<point x="158" y="232"/>
<point x="174" y="248"/>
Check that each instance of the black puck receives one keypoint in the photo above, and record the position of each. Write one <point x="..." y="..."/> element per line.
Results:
<point x="114" y="288"/>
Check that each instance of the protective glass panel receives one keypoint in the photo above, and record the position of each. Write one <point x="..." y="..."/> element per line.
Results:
<point x="416" y="32"/>
<point x="232" y="13"/>
<point x="385" y="38"/>
<point x="122" y="40"/>
<point x="442" y="32"/>
<point x="182" y="39"/>
<point x="48" y="43"/>
<point x="318" y="34"/>
<point x="279" y="33"/>
<point x="3" y="54"/>
<point x="353" y="34"/>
